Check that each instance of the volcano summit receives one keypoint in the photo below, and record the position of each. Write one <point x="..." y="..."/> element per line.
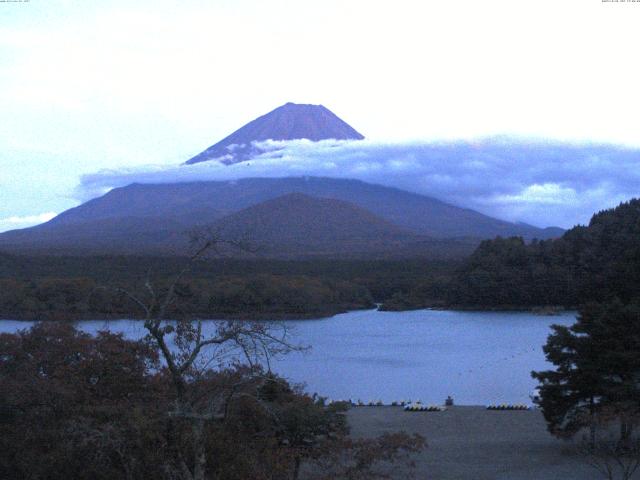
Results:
<point x="291" y="121"/>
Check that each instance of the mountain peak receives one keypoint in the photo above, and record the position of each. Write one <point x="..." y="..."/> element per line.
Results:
<point x="294" y="105"/>
<point x="291" y="121"/>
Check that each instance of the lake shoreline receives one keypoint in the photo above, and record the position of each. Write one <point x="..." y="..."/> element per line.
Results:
<point x="293" y="316"/>
<point x="252" y="316"/>
<point x="550" y="310"/>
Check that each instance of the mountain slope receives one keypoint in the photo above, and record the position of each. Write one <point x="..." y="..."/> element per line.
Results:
<point x="204" y="202"/>
<point x="288" y="122"/>
<point x="302" y="225"/>
<point x="145" y="218"/>
<point x="126" y="235"/>
<point x="290" y="226"/>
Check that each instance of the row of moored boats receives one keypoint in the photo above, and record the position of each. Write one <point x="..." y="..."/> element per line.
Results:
<point x="418" y="406"/>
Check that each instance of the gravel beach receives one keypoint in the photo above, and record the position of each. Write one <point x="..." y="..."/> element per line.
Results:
<point x="472" y="443"/>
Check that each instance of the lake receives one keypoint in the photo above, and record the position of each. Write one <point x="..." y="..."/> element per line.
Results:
<point x="476" y="357"/>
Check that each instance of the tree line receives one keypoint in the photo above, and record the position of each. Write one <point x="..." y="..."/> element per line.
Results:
<point x="260" y="296"/>
<point x="90" y="287"/>
<point x="597" y="262"/>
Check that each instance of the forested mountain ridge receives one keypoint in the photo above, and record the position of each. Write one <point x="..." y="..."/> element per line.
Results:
<point x="588" y="263"/>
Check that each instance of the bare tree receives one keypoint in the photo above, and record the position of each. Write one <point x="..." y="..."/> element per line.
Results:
<point x="613" y="458"/>
<point x="189" y="352"/>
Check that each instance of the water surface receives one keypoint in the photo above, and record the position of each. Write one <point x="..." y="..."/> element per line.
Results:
<point x="476" y="357"/>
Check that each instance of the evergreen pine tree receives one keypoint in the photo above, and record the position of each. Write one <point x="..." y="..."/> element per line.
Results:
<point x="597" y="371"/>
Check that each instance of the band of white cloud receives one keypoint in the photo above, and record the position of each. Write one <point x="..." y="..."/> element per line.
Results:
<point x="10" y="223"/>
<point x="543" y="183"/>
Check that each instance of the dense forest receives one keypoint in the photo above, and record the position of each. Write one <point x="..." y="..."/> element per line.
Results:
<point x="100" y="287"/>
<point x="261" y="296"/>
<point x="588" y="263"/>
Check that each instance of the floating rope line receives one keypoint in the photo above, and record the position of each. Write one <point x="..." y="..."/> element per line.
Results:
<point x="408" y="405"/>
<point x="497" y="361"/>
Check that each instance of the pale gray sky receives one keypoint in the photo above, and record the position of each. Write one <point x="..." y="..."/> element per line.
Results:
<point x="86" y="86"/>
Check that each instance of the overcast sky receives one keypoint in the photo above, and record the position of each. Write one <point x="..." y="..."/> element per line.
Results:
<point x="89" y="86"/>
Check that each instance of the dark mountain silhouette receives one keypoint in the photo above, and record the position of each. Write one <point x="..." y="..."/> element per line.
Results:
<point x="127" y="235"/>
<point x="288" y="122"/>
<point x="200" y="203"/>
<point x="290" y="226"/>
<point x="152" y="218"/>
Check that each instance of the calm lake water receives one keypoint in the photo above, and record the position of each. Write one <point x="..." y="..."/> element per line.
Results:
<point x="476" y="357"/>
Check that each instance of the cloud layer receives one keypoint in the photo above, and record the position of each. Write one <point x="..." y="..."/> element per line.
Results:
<point x="542" y="183"/>
<point x="13" y="222"/>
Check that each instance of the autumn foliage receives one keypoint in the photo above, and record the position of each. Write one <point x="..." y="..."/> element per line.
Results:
<point x="103" y="407"/>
